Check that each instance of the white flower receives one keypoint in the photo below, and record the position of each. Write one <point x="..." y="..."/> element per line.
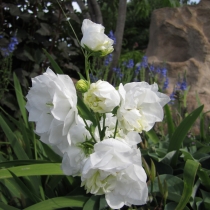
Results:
<point x="115" y="169"/>
<point x="131" y="137"/>
<point x="102" y="97"/>
<point x="73" y="161"/>
<point x="141" y="106"/>
<point x="74" y="156"/>
<point x="95" y="39"/>
<point x="51" y="103"/>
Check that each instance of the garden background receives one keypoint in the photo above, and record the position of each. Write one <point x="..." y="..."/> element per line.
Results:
<point x="35" y="35"/>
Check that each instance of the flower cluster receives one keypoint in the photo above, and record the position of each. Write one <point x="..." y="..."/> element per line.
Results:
<point x="179" y="89"/>
<point x="6" y="51"/>
<point x="99" y="142"/>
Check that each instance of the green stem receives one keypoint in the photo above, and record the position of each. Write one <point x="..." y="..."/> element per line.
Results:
<point x="115" y="130"/>
<point x="99" y="126"/>
<point x="87" y="66"/>
<point x="88" y="128"/>
<point x="70" y="26"/>
<point x="34" y="141"/>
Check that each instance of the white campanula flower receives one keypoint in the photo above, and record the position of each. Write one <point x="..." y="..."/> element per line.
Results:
<point x="51" y="103"/>
<point x="115" y="169"/>
<point x="95" y="39"/>
<point x="74" y="155"/>
<point x="73" y="161"/>
<point x="141" y="106"/>
<point x="102" y="97"/>
<point x="131" y="137"/>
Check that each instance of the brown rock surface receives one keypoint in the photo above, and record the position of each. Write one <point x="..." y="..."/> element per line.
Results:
<point x="180" y="38"/>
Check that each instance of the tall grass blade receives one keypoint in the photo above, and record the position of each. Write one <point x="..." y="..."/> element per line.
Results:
<point x="19" y="151"/>
<point x="59" y="202"/>
<point x="55" y="66"/>
<point x="20" y="99"/>
<point x="202" y="127"/>
<point x="190" y="171"/>
<point x="182" y="130"/>
<point x="152" y="136"/>
<point x="169" y="120"/>
<point x="32" y="170"/>
<point x="4" y="206"/>
<point x="31" y="195"/>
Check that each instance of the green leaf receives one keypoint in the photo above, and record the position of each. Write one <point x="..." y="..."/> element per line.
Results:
<point x="146" y="167"/>
<point x="59" y="202"/>
<point x="174" y="185"/>
<point x="190" y="171"/>
<point x="32" y="196"/>
<point x="204" y="178"/>
<point x="202" y="124"/>
<point x="51" y="155"/>
<point x="80" y="75"/>
<point x="8" y="164"/>
<point x="55" y="66"/>
<point x="153" y="137"/>
<point x="206" y="199"/>
<point x="103" y="204"/>
<point x="32" y="170"/>
<point x="169" y="120"/>
<point x="92" y="203"/>
<point x="22" y="128"/>
<point x="19" y="152"/>
<point x="181" y="132"/>
<point x="152" y="171"/>
<point x="14" y="189"/>
<point x="172" y="205"/>
<point x="186" y="155"/>
<point x="20" y="99"/>
<point x="4" y="206"/>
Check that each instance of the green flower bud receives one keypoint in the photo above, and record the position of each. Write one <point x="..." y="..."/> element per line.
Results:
<point x="82" y="85"/>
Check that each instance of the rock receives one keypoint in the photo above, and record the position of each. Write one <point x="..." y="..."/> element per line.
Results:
<point x="180" y="40"/>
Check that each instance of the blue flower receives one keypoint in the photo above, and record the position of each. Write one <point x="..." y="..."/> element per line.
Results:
<point x="137" y="70"/>
<point x="112" y="36"/>
<point x="118" y="72"/>
<point x="93" y="78"/>
<point x="164" y="72"/>
<point x="183" y="85"/>
<point x="144" y="62"/>
<point x="158" y="70"/>
<point x="10" y="48"/>
<point x="108" y="59"/>
<point x="172" y="97"/>
<point x="130" y="64"/>
<point x="166" y="83"/>
<point x="152" y="68"/>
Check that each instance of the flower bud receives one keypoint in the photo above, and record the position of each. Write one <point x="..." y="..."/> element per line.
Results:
<point x="82" y="85"/>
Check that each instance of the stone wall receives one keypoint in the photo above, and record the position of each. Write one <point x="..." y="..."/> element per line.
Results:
<point x="180" y="38"/>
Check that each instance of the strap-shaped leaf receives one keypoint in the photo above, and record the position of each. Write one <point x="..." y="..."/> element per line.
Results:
<point x="20" y="99"/>
<point x="153" y="136"/>
<point x="7" y="207"/>
<point x="31" y="194"/>
<point x="182" y="130"/>
<point x="169" y="120"/>
<point x="92" y="203"/>
<point x="190" y="171"/>
<point x="18" y="149"/>
<point x="55" y="66"/>
<point x="32" y="170"/>
<point x="59" y="202"/>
